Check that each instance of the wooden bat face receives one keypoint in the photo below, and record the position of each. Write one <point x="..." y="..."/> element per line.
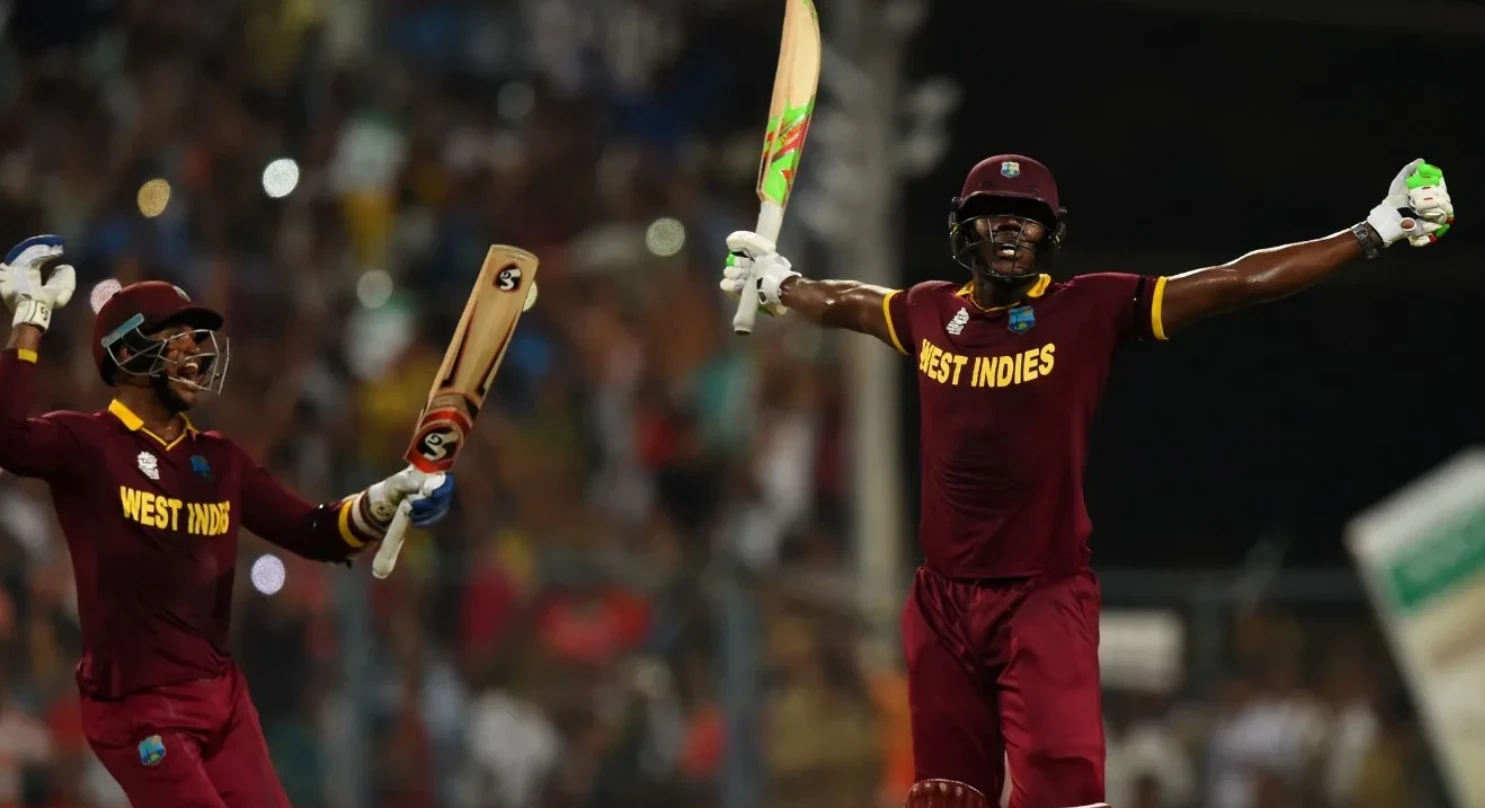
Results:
<point x="473" y="358"/>
<point x="793" y="102"/>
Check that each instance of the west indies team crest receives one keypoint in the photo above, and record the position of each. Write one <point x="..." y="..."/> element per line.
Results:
<point x="1020" y="319"/>
<point x="151" y="750"/>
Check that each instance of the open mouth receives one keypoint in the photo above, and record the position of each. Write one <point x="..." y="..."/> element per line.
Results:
<point x="1008" y="259"/>
<point x="189" y="371"/>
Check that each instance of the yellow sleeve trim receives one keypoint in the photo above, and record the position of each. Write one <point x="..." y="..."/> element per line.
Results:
<point x="1157" y="324"/>
<point x="25" y="355"/>
<point x="887" y="314"/>
<point x="344" y="520"/>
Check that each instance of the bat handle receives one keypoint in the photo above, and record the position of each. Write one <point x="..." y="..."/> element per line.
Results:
<point x="770" y="222"/>
<point x="386" y="554"/>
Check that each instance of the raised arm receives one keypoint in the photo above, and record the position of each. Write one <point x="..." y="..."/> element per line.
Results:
<point x="848" y="305"/>
<point x="33" y="447"/>
<point x="1417" y="208"/>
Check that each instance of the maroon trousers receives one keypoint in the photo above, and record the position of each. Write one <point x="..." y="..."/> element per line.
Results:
<point x="191" y="745"/>
<point x="1006" y="673"/>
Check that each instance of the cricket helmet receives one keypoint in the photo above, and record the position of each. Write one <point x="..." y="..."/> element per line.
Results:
<point x="131" y="314"/>
<point x="1010" y="187"/>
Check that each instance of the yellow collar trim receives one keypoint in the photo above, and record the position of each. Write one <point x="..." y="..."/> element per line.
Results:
<point x="1037" y="290"/>
<point x="134" y="423"/>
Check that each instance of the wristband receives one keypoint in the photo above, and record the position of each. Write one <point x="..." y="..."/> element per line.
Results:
<point x="1364" y="236"/>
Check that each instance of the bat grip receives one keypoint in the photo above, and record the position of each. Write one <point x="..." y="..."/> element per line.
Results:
<point x="386" y="554"/>
<point x="770" y="222"/>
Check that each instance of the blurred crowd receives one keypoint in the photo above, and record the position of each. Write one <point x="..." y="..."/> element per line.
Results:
<point x="560" y="641"/>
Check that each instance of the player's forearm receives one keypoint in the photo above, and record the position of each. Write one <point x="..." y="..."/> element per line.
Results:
<point x="24" y="338"/>
<point x="334" y="531"/>
<point x="318" y="533"/>
<point x="1257" y="277"/>
<point x="836" y="304"/>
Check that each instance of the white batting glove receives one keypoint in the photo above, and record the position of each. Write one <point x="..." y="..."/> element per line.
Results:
<point x="431" y="494"/>
<point x="21" y="285"/>
<point x="751" y="255"/>
<point x="1417" y="207"/>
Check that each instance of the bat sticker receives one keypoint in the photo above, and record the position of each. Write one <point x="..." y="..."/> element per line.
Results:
<point x="438" y="443"/>
<point x="508" y="279"/>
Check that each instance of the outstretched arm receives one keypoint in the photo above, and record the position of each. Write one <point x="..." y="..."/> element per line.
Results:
<point x="318" y="532"/>
<point x="333" y="531"/>
<point x="1417" y="208"/>
<point x="848" y="305"/>
<point x="1257" y="277"/>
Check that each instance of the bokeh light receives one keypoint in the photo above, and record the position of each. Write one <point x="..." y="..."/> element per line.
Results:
<point x="154" y="197"/>
<point x="102" y="292"/>
<point x="268" y="574"/>
<point x="665" y="237"/>
<point x="515" y="101"/>
<point x="374" y="288"/>
<point x="280" y="178"/>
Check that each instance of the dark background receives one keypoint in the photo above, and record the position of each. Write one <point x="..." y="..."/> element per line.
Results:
<point x="1180" y="141"/>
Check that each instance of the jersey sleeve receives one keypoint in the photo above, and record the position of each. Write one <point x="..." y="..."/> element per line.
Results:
<point x="270" y="510"/>
<point x="44" y="447"/>
<point x="1129" y="303"/>
<point x="899" y="330"/>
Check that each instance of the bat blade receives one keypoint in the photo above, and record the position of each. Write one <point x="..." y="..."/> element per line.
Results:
<point x="793" y="103"/>
<point x="506" y="282"/>
<point x="789" y="114"/>
<point x="473" y="358"/>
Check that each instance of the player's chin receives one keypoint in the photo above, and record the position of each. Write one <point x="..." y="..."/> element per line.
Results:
<point x="186" y="394"/>
<point x="1012" y="267"/>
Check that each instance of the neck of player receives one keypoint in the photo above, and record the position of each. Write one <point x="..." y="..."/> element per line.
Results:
<point x="145" y="403"/>
<point x="992" y="294"/>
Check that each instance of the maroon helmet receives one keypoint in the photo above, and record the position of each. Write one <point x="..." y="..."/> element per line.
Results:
<point x="1020" y="194"/>
<point x="134" y="312"/>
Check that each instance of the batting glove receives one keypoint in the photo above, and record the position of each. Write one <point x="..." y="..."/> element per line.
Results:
<point x="21" y="285"/>
<point x="751" y="255"/>
<point x="1417" y="207"/>
<point x="432" y="496"/>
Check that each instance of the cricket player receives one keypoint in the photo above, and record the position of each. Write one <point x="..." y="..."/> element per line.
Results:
<point x="1000" y="630"/>
<point x="151" y="506"/>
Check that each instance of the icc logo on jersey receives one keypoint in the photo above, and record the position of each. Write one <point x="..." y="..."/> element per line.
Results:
<point x="1020" y="319"/>
<point x="958" y="322"/>
<point x="149" y="465"/>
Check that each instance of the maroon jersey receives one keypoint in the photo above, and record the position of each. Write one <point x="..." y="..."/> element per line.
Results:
<point x="152" y="529"/>
<point x="1008" y="395"/>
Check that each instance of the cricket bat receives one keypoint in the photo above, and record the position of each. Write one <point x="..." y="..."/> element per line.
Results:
<point x="789" y="116"/>
<point x="505" y="289"/>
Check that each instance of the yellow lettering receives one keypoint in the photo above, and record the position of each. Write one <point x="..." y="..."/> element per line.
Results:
<point x="946" y="367"/>
<point x="175" y="506"/>
<point x="1005" y="372"/>
<point x="193" y="518"/>
<point x="129" y="498"/>
<point x="1028" y="370"/>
